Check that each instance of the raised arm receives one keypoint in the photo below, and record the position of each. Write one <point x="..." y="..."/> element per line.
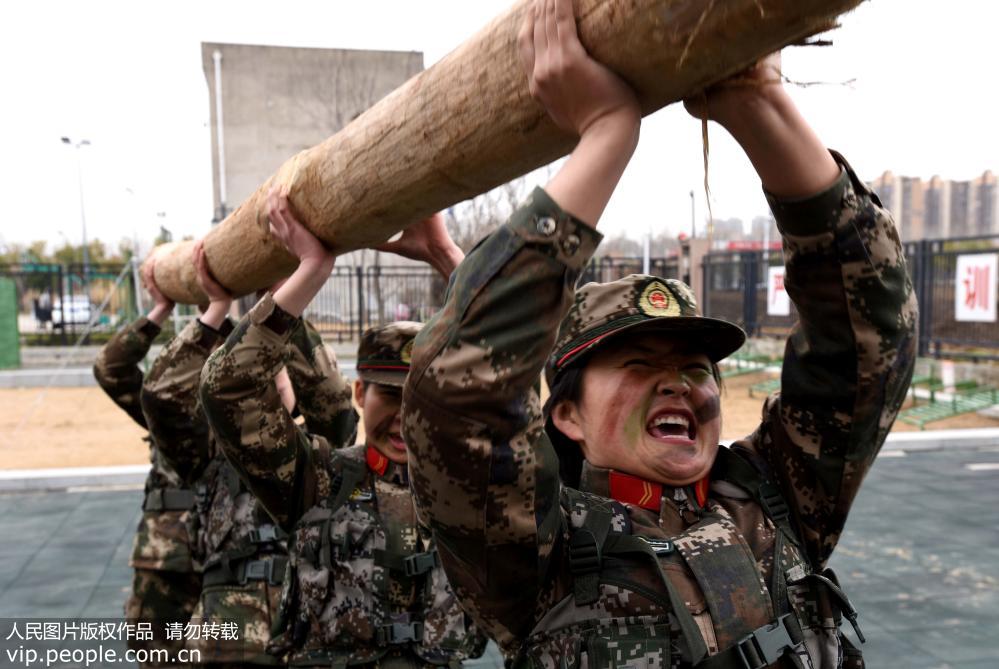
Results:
<point x="274" y="457"/>
<point x="170" y="392"/>
<point x="849" y="360"/>
<point x="483" y="471"/>
<point x="322" y="393"/>
<point x="117" y="366"/>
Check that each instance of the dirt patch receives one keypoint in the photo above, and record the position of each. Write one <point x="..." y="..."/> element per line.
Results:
<point x="81" y="427"/>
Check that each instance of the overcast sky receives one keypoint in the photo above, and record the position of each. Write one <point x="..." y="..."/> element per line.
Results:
<point x="127" y="76"/>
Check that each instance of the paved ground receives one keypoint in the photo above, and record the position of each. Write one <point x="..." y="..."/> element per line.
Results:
<point x="920" y="558"/>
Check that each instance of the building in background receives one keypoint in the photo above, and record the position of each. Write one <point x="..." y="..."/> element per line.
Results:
<point x="939" y="208"/>
<point x="268" y="103"/>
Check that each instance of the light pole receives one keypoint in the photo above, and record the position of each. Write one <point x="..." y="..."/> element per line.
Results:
<point x="693" y="225"/>
<point x="83" y="214"/>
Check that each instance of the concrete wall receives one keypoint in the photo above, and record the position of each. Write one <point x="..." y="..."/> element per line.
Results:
<point x="277" y="101"/>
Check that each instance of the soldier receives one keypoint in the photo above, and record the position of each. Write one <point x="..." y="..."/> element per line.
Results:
<point x="243" y="552"/>
<point x="365" y="588"/>
<point x="165" y="586"/>
<point x="660" y="548"/>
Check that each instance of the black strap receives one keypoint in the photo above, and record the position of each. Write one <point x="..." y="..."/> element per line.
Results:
<point x="350" y="476"/>
<point x="169" y="499"/>
<point x="843" y="603"/>
<point x="760" y="648"/>
<point x="730" y="466"/>
<point x="270" y="569"/>
<point x="585" y="545"/>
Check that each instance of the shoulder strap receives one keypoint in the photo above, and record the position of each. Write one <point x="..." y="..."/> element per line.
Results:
<point x="733" y="467"/>
<point x="350" y="475"/>
<point x="585" y="549"/>
<point x="590" y="543"/>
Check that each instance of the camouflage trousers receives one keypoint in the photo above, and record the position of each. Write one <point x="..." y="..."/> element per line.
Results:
<point x="251" y="607"/>
<point x="160" y="597"/>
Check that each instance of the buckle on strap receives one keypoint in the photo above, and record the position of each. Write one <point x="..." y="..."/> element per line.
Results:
<point x="403" y="629"/>
<point x="266" y="534"/>
<point x="271" y="570"/>
<point x="420" y="563"/>
<point x="764" y="646"/>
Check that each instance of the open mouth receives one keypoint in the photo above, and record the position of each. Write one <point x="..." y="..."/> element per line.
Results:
<point x="675" y="425"/>
<point x="395" y="439"/>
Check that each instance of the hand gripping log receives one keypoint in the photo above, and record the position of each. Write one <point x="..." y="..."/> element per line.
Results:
<point x="468" y="124"/>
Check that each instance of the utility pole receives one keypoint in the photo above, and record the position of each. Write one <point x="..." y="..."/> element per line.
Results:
<point x="83" y="213"/>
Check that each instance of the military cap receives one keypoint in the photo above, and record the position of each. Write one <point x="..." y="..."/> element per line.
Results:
<point x="602" y="311"/>
<point x="385" y="351"/>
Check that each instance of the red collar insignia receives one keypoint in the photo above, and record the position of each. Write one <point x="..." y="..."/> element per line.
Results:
<point x="377" y="462"/>
<point x="633" y="490"/>
<point x="646" y="494"/>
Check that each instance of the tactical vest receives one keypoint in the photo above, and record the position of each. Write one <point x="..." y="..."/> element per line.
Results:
<point x="237" y="541"/>
<point x="793" y="621"/>
<point x="345" y="556"/>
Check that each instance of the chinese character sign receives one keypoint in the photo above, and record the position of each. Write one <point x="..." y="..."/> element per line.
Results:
<point x="778" y="302"/>
<point x="976" y="285"/>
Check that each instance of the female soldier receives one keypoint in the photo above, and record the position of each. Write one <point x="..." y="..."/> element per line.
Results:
<point x="240" y="550"/>
<point x="166" y="584"/>
<point x="668" y="550"/>
<point x="365" y="588"/>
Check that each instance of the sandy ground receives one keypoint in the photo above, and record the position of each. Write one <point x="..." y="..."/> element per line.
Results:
<point x="81" y="427"/>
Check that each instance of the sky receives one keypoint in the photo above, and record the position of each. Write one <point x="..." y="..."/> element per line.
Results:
<point x="127" y="77"/>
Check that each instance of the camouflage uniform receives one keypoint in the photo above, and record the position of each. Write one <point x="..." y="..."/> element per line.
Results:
<point x="165" y="585"/>
<point x="627" y="572"/>
<point x="364" y="586"/>
<point x="244" y="553"/>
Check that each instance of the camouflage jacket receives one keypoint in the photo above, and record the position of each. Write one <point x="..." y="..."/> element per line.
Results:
<point x="485" y="474"/>
<point x="348" y="597"/>
<point x="117" y="366"/>
<point x="170" y="400"/>
<point x="161" y="542"/>
<point x="230" y="518"/>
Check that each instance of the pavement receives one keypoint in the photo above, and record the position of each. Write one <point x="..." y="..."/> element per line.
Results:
<point x="919" y="558"/>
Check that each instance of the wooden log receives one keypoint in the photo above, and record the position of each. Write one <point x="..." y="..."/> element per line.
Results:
<point x="468" y="124"/>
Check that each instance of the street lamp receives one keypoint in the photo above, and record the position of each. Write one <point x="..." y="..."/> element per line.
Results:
<point x="83" y="215"/>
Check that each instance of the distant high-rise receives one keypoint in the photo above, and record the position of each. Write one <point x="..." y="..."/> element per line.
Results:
<point x="939" y="208"/>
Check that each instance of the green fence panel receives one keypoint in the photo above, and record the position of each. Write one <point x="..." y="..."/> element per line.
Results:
<point x="10" y="345"/>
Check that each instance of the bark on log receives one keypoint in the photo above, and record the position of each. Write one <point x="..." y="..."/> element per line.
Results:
<point x="468" y="124"/>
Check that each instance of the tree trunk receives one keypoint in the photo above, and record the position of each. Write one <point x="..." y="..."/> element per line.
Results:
<point x="468" y="124"/>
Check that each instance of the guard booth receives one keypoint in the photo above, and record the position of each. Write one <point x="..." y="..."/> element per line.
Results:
<point x="10" y="345"/>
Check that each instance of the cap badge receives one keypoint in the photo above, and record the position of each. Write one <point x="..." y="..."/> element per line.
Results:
<point x="406" y="354"/>
<point x="657" y="300"/>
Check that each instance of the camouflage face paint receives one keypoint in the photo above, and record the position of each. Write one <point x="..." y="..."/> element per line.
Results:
<point x="709" y="410"/>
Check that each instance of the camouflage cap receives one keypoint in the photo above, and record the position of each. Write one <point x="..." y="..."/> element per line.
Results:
<point x="385" y="351"/>
<point x="603" y="310"/>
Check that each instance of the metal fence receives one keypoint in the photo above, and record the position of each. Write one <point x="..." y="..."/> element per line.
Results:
<point x="611" y="269"/>
<point x="736" y="290"/>
<point x="56" y="303"/>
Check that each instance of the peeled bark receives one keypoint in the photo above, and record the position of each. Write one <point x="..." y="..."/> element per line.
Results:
<point x="468" y="124"/>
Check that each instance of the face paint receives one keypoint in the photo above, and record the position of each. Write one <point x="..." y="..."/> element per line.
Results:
<point x="709" y="410"/>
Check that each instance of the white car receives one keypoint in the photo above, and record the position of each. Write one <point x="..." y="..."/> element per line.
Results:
<point x="76" y="310"/>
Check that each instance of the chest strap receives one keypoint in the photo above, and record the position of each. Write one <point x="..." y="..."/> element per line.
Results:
<point x="269" y="569"/>
<point x="169" y="499"/>
<point x="586" y="554"/>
